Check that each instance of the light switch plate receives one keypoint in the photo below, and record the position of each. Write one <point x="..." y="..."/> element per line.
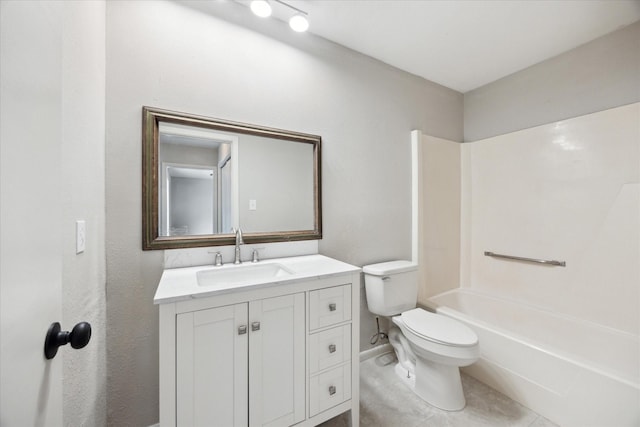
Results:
<point x="81" y="236"/>
<point x="253" y="205"/>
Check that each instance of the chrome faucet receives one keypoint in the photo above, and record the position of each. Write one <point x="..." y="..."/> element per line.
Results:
<point x="239" y="241"/>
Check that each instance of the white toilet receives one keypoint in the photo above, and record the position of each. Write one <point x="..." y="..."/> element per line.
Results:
<point x="430" y="347"/>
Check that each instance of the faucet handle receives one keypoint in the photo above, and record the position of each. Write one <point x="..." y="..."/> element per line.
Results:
<point x="255" y="256"/>
<point x="217" y="258"/>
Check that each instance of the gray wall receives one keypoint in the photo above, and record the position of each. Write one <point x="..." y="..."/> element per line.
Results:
<point x="601" y="74"/>
<point x="83" y="166"/>
<point x="171" y="56"/>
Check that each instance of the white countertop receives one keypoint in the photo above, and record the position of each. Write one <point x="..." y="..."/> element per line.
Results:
<point x="179" y="284"/>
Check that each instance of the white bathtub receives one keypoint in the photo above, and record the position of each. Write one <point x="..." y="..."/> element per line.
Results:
<point x="573" y="372"/>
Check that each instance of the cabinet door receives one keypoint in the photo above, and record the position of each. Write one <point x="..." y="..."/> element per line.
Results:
<point x="212" y="367"/>
<point x="277" y="361"/>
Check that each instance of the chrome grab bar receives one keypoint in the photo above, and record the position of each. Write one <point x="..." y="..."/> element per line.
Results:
<point x="517" y="258"/>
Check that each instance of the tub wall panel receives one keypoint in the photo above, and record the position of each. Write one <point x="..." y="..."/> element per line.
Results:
<point x="439" y="250"/>
<point x="567" y="191"/>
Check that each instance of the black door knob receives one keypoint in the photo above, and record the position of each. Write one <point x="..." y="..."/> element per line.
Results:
<point x="78" y="337"/>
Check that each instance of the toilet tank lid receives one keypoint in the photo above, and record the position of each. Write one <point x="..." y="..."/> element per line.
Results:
<point x="389" y="267"/>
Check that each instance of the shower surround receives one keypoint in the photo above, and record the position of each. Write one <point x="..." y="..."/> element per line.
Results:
<point x="568" y="191"/>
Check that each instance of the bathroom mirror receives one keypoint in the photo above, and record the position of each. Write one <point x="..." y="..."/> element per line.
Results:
<point x="203" y="177"/>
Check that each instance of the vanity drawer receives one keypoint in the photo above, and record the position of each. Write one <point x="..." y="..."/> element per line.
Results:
<point x="329" y="306"/>
<point x="329" y="389"/>
<point x="329" y="348"/>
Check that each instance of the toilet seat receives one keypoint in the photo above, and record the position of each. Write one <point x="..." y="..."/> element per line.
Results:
<point x="439" y="329"/>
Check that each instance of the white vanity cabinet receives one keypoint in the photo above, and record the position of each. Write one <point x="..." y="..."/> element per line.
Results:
<point x="279" y="353"/>
<point x="246" y="355"/>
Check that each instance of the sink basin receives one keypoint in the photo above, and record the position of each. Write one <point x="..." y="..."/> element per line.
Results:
<point x="236" y="274"/>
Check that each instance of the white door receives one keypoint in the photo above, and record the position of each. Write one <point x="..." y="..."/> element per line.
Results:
<point x="277" y="361"/>
<point x="212" y="367"/>
<point x="30" y="211"/>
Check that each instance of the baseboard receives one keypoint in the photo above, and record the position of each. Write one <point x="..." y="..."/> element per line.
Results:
<point x="375" y="351"/>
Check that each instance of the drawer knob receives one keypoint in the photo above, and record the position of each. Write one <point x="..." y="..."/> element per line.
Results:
<point x="255" y="326"/>
<point x="332" y="348"/>
<point x="242" y="329"/>
<point x="332" y="306"/>
<point x="332" y="390"/>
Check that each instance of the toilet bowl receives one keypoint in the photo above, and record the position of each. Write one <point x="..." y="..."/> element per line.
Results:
<point x="430" y="347"/>
<point x="441" y="346"/>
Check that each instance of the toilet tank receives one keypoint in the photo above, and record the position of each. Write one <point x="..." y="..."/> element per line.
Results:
<point x="391" y="287"/>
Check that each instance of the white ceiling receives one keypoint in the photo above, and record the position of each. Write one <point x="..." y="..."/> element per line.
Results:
<point x="464" y="44"/>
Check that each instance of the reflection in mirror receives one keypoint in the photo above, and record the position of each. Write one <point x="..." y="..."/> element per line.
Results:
<point x="203" y="177"/>
<point x="188" y="185"/>
<point x="275" y="185"/>
<point x="192" y="162"/>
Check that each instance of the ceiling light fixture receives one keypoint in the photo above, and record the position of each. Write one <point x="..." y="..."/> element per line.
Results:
<point x="262" y="8"/>
<point x="299" y="23"/>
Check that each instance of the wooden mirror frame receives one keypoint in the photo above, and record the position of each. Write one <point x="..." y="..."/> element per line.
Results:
<point x="151" y="239"/>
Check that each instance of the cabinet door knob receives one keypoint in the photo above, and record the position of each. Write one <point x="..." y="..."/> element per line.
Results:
<point x="332" y="306"/>
<point x="242" y="329"/>
<point x="332" y="348"/>
<point x="255" y="326"/>
<point x="332" y="390"/>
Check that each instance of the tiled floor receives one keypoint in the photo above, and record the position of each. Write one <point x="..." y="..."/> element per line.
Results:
<point x="386" y="402"/>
